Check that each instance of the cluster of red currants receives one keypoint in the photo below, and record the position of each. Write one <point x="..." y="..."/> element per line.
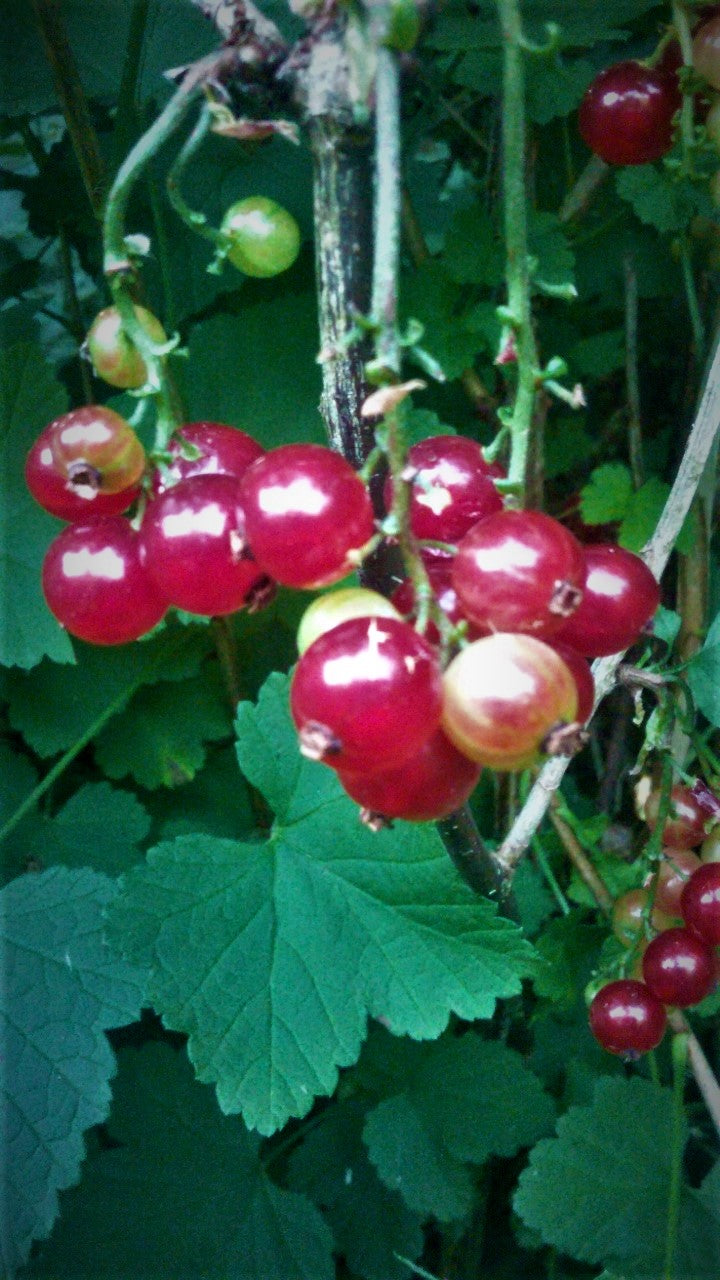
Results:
<point x="516" y="604"/>
<point x="671" y="927"/>
<point x="627" y="114"/>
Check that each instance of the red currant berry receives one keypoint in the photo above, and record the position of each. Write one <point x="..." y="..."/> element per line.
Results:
<point x="428" y="786"/>
<point x="504" y="694"/>
<point x="581" y="673"/>
<point x="685" y="825"/>
<point x="630" y="912"/>
<point x="96" y="585"/>
<point x="438" y="565"/>
<point x="626" y="1018"/>
<point x="114" y="356"/>
<point x="670" y="877"/>
<point x="679" y="968"/>
<point x="519" y="571"/>
<point x="620" y="597"/>
<point x="58" y="495"/>
<point x="265" y="238"/>
<point x="330" y="610"/>
<point x="452" y="487"/>
<point x="218" y="450"/>
<point x="367" y="695"/>
<point x="306" y="512"/>
<point x="700" y="903"/>
<point x="94" y="448"/>
<point x="706" y="52"/>
<point x="194" y="546"/>
<point x="627" y="112"/>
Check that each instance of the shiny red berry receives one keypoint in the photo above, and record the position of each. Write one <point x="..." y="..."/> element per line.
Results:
<point x="207" y="448"/>
<point x="627" y="112"/>
<point x="366" y="695"/>
<point x="452" y="487"/>
<point x="56" y="493"/>
<point x="679" y="968"/>
<point x="519" y="571"/>
<point x="430" y="785"/>
<point x="627" y="1019"/>
<point x="194" y="546"/>
<point x="96" y="585"/>
<point x="685" y="825"/>
<point x="306" y="511"/>
<point x="95" y="448"/>
<point x="700" y="903"/>
<point x="620" y="596"/>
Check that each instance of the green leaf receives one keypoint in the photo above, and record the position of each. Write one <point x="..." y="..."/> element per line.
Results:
<point x="599" y="1189"/>
<point x="160" y="736"/>
<point x="183" y="1194"/>
<point x="656" y="198"/>
<point x="473" y="252"/>
<point x="418" y="424"/>
<point x="429" y="295"/>
<point x="409" y="1159"/>
<point x="703" y="675"/>
<point x="607" y="494"/>
<point x="102" y="679"/>
<point x="296" y="941"/>
<point x="466" y="1099"/>
<point x="371" y="1224"/>
<point x="616" y="874"/>
<point x="29" y="398"/>
<point x="666" y="625"/>
<point x="555" y="86"/>
<point x="235" y="379"/>
<point x="549" y="244"/>
<point x="598" y="355"/>
<point x="569" y="945"/>
<point x="62" y="988"/>
<point x="644" y="510"/>
<point x="100" y="827"/>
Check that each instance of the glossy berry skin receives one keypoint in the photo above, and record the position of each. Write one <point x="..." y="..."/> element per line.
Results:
<point x="438" y="565"/>
<point x="626" y="114"/>
<point x="519" y="571"/>
<point x="428" y="786"/>
<point x="265" y="237"/>
<point x="330" y="610"/>
<point x="220" y="449"/>
<point x="94" y="448"/>
<point x="503" y="695"/>
<point x="679" y="968"/>
<point x="452" y="487"/>
<point x="367" y="695"/>
<point x="629" y="914"/>
<point x="193" y="544"/>
<point x="706" y="51"/>
<point x="306" y="511"/>
<point x="113" y="355"/>
<point x="620" y="596"/>
<point x="700" y="903"/>
<point x="58" y="495"/>
<point x="95" y="583"/>
<point x="685" y="825"/>
<point x="670" y="877"/>
<point x="625" y="1018"/>
<point x="579" y="668"/>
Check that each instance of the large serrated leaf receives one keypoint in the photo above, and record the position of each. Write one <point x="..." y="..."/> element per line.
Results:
<point x="271" y="956"/>
<point x="184" y="1193"/>
<point x="62" y="988"/>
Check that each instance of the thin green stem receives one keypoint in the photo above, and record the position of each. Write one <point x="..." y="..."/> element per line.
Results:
<point x="116" y="254"/>
<point x="691" y="297"/>
<point x="74" y="310"/>
<point x="196" y="221"/>
<point x="516" y="241"/>
<point x="682" y="27"/>
<point x="637" y="463"/>
<point x="679" y="1061"/>
<point x="162" y="246"/>
<point x="388" y="204"/>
